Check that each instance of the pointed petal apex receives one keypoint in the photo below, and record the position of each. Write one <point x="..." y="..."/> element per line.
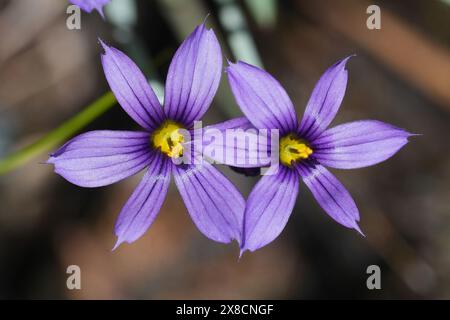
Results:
<point x="193" y="77"/>
<point x="213" y="202"/>
<point x="118" y="243"/>
<point x="268" y="208"/>
<point x="325" y="100"/>
<point x="99" y="158"/>
<point x="241" y="252"/>
<point x="131" y="88"/>
<point x="330" y="194"/>
<point x="359" y="144"/>
<point x="103" y="44"/>
<point x="357" y="228"/>
<point x="144" y="204"/>
<point x="261" y="98"/>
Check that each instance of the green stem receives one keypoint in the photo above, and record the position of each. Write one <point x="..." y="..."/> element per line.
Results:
<point x="57" y="136"/>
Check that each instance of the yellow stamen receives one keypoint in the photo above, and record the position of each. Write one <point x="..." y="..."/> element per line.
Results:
<point x="168" y="139"/>
<point x="293" y="149"/>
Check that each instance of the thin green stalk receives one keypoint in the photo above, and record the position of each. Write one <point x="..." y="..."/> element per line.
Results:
<point x="57" y="136"/>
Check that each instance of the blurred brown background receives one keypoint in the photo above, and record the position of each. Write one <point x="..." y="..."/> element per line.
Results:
<point x="401" y="75"/>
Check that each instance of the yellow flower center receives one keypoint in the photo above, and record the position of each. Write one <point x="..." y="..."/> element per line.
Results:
<point x="168" y="139"/>
<point x="293" y="149"/>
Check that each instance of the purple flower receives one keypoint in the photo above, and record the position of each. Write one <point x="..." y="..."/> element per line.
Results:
<point x="89" y="5"/>
<point x="100" y="158"/>
<point x="305" y="149"/>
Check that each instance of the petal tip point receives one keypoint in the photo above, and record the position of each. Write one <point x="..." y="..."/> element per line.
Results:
<point x="350" y="56"/>
<point x="205" y="19"/>
<point x="102" y="14"/>
<point x="117" y="245"/>
<point x="344" y="61"/>
<point x="357" y="228"/>
<point x="415" y="134"/>
<point x="103" y="45"/>
<point x="242" y="250"/>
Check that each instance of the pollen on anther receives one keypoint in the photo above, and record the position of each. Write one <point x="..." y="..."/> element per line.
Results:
<point x="293" y="149"/>
<point x="168" y="139"/>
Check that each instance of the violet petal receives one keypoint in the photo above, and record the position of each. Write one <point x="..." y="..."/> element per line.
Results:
<point x="331" y="195"/>
<point x="131" y="89"/>
<point x="144" y="204"/>
<point x="89" y="5"/>
<point x="359" y="144"/>
<point x="261" y="98"/>
<point x="193" y="77"/>
<point x="325" y="101"/>
<point x="269" y="207"/>
<point x="213" y="202"/>
<point x="100" y="158"/>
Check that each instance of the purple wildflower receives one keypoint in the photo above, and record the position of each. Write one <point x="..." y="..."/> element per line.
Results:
<point x="305" y="149"/>
<point x="89" y="5"/>
<point x="100" y="158"/>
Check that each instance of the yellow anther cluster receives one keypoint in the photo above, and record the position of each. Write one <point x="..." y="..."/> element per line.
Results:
<point x="293" y="149"/>
<point x="169" y="139"/>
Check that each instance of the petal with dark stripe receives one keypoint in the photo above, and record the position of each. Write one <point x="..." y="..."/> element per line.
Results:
<point x="261" y="98"/>
<point x="325" y="101"/>
<point x="100" y="158"/>
<point x="269" y="207"/>
<point x="213" y="202"/>
<point x="331" y="195"/>
<point x="144" y="204"/>
<point x="193" y="77"/>
<point x="359" y="144"/>
<point x="131" y="89"/>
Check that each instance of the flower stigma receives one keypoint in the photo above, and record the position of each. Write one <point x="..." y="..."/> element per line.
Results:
<point x="293" y="149"/>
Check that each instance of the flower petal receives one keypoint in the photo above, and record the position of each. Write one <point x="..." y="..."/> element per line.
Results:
<point x="236" y="143"/>
<point x="325" y="101"/>
<point x="269" y="207"/>
<point x="261" y="98"/>
<point x="89" y="5"/>
<point x="131" y="88"/>
<point x="213" y="202"/>
<point x="331" y="195"/>
<point x="100" y="158"/>
<point x="193" y="77"/>
<point x="144" y="204"/>
<point x="359" y="144"/>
